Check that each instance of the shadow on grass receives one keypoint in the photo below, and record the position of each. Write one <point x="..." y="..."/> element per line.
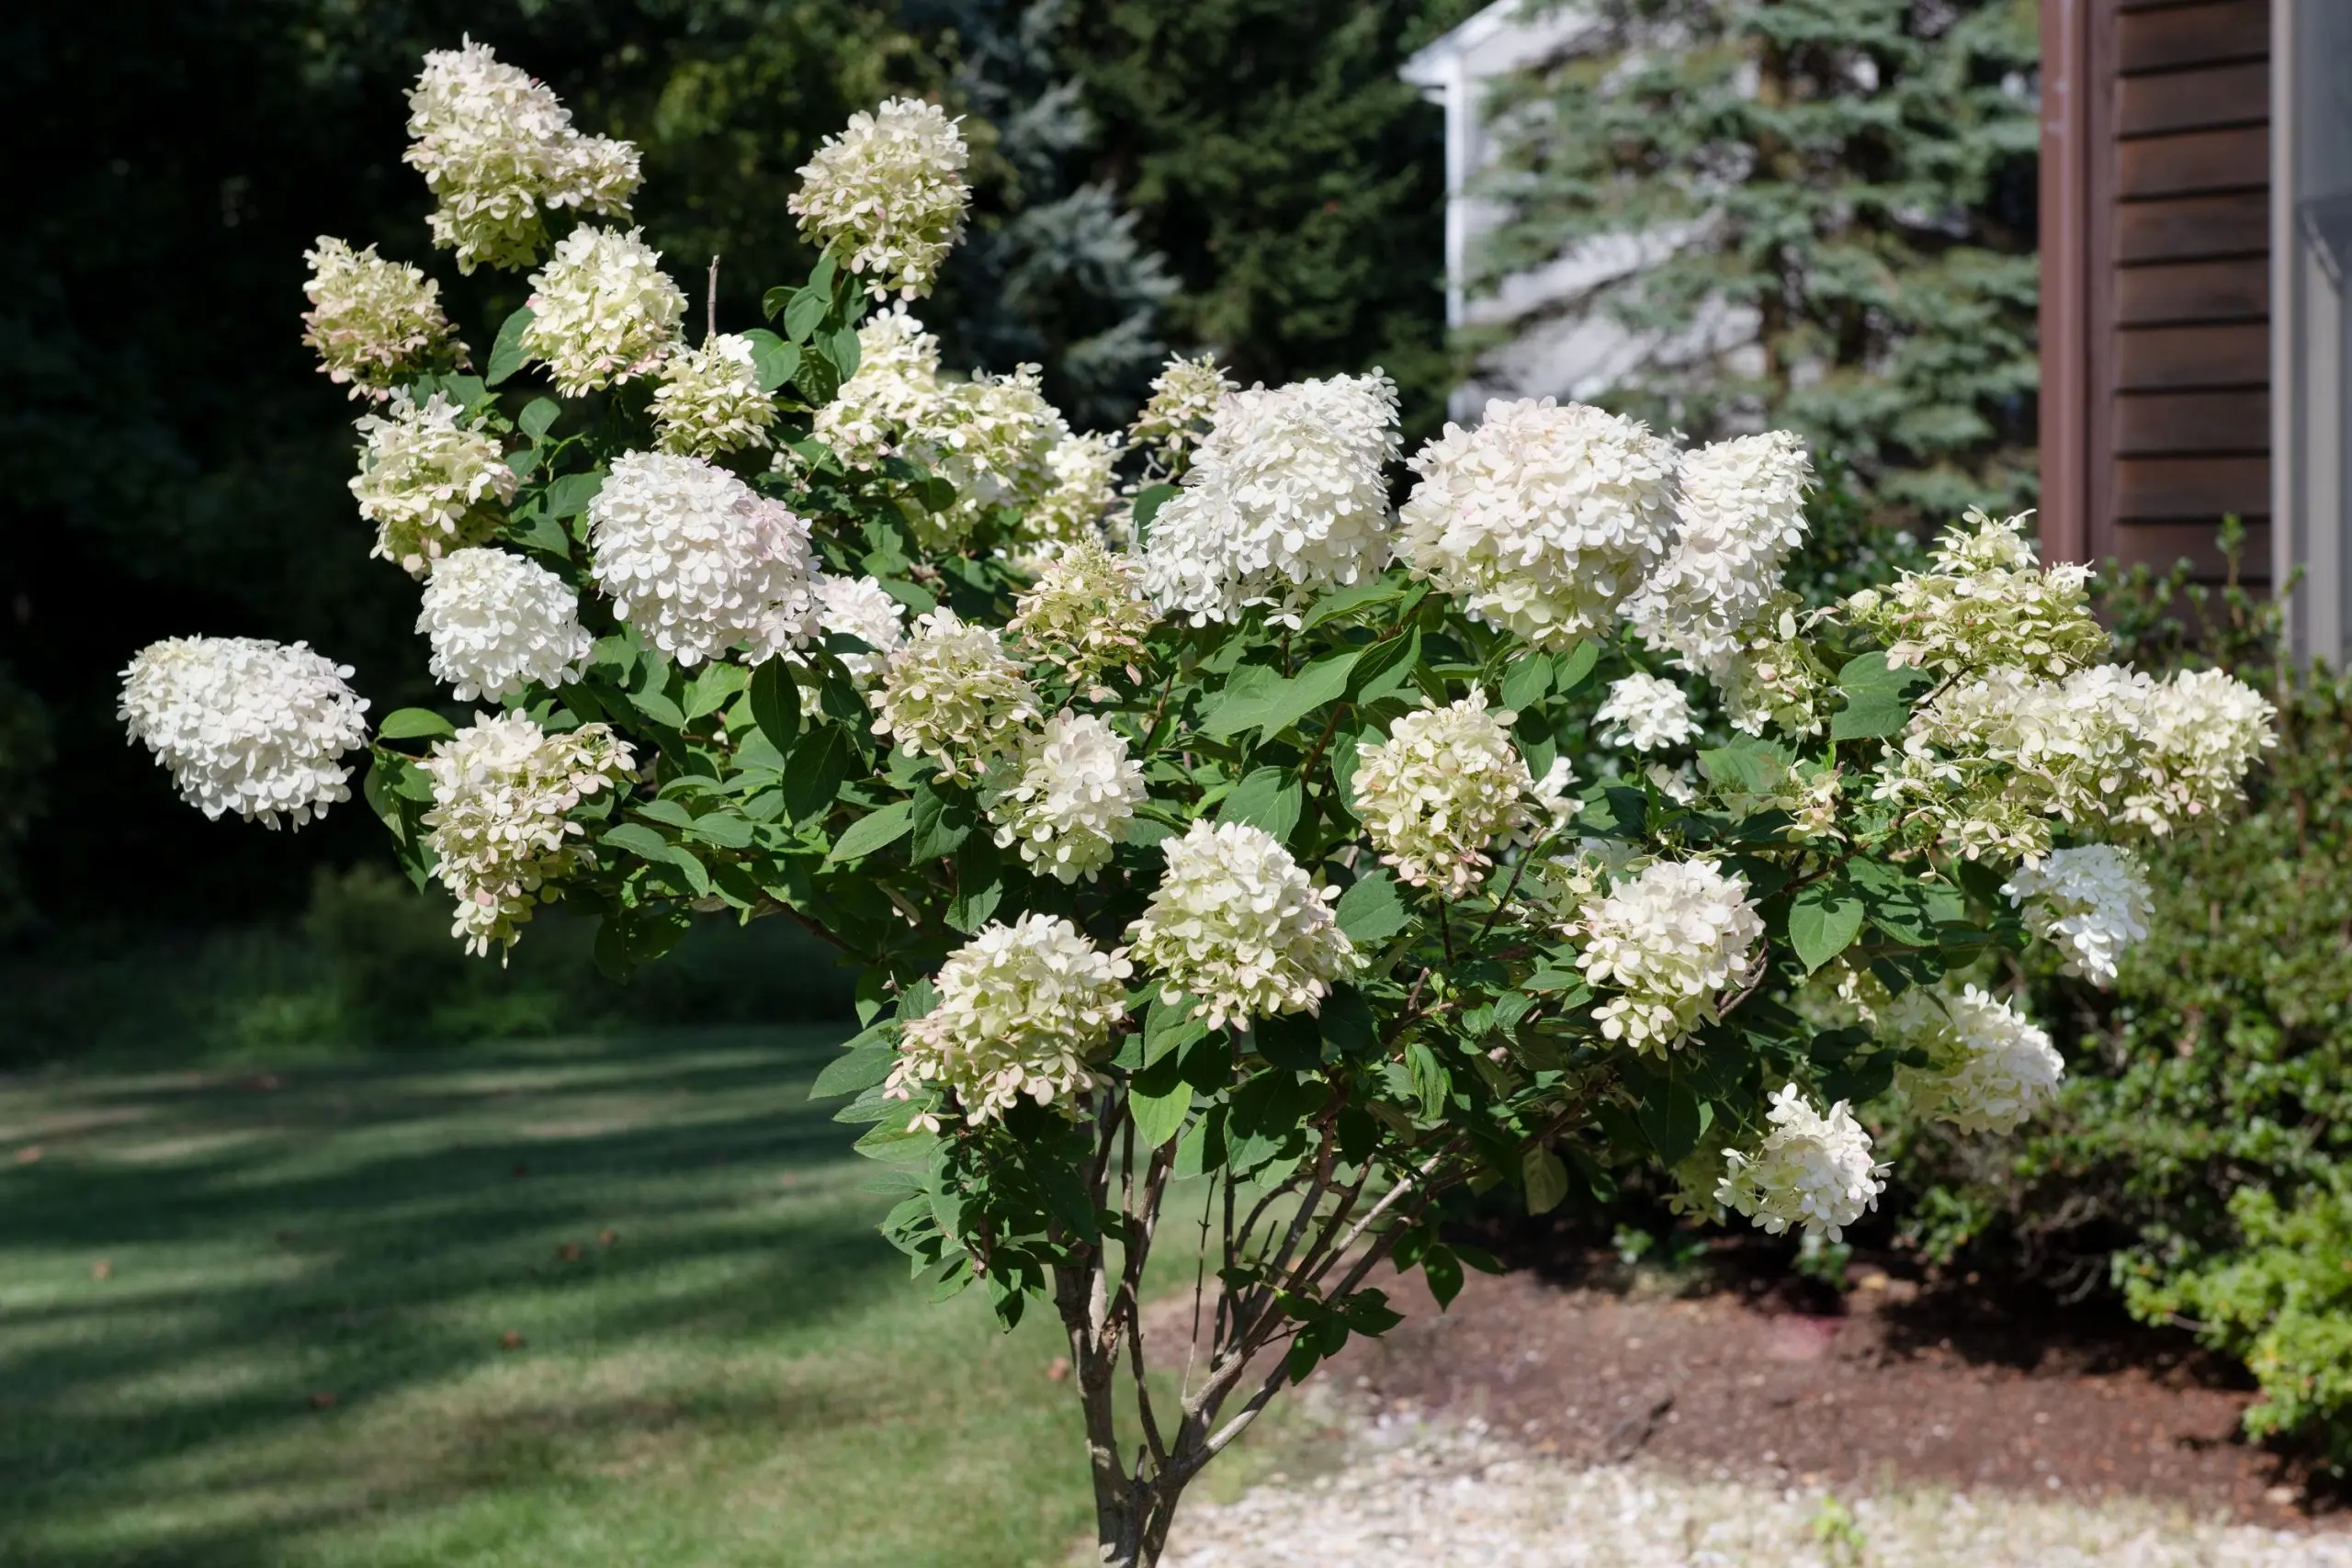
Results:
<point x="197" y="1265"/>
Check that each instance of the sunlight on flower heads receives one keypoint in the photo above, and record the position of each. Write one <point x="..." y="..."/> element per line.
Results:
<point x="1648" y="713"/>
<point x="246" y="726"/>
<point x="602" y="311"/>
<point x="2092" y="903"/>
<point x="1071" y="799"/>
<point x="1987" y="604"/>
<point x="497" y="622"/>
<point x="1672" y="940"/>
<point x="370" y="319"/>
<point x="1023" y="1010"/>
<point x="498" y="826"/>
<point x="1085" y="613"/>
<point x="1286" y="497"/>
<point x="1991" y="1066"/>
<point x="1812" y="1171"/>
<point x="1237" y="930"/>
<point x="1182" y="408"/>
<point x="952" y="695"/>
<point x="888" y="196"/>
<point x="498" y="150"/>
<point x="861" y="607"/>
<point x="1543" y="518"/>
<point x="429" y="482"/>
<point x="1739" y="509"/>
<point x="1442" y="791"/>
<point x="697" y="562"/>
<point x="892" y="391"/>
<point x="709" y="402"/>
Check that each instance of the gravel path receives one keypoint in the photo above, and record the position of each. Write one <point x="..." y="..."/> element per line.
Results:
<point x="1426" y="1495"/>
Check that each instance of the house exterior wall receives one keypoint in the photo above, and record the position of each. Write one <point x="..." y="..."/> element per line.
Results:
<point x="2156" y="279"/>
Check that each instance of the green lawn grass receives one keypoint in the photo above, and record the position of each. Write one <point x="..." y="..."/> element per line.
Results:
<point x="259" y="1321"/>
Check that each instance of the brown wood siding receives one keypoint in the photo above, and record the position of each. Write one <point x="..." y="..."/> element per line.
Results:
<point x="2157" y="293"/>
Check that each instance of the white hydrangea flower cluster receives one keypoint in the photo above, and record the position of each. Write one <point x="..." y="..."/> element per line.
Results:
<point x="498" y="825"/>
<point x="497" y="149"/>
<point x="1812" y="1170"/>
<point x="2091" y="903"/>
<point x="1987" y="604"/>
<point x="1672" y="940"/>
<point x="2201" y="732"/>
<point x="1081" y="487"/>
<point x="861" y="607"/>
<point x="1647" y="713"/>
<point x="952" y="695"/>
<point x="710" y="401"/>
<point x="696" y="562"/>
<point x="1237" y="928"/>
<point x="893" y="391"/>
<point x="1022" y="1009"/>
<point x="1182" y="407"/>
<point x="602" y="311"/>
<point x="246" y="725"/>
<point x="1441" y="791"/>
<point x="497" y="622"/>
<point x="1285" y="498"/>
<point x="1993" y="1068"/>
<point x="1740" y="510"/>
<point x="992" y="437"/>
<point x="887" y="193"/>
<point x="1542" y="519"/>
<point x="371" y="319"/>
<point x="1989" y="762"/>
<point x="1085" y="613"/>
<point x="430" y="483"/>
<point x="1775" y="680"/>
<point x="1072" y="793"/>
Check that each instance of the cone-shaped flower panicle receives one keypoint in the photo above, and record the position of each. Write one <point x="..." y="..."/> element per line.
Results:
<point x="1023" y="1010"/>
<point x="697" y="562"/>
<point x="497" y="622"/>
<point x="498" y="150"/>
<point x="257" y="729"/>
<point x="498" y="825"/>
<point x="1285" y="498"/>
<point x="1542" y="519"/>
<point x="888" y="196"/>
<point x="1072" y="792"/>
<point x="1812" y="1171"/>
<point x="370" y="320"/>
<point x="429" y="482"/>
<point x="1237" y="930"/>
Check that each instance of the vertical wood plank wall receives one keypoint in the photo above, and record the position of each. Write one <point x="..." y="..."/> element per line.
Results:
<point x="2155" y="278"/>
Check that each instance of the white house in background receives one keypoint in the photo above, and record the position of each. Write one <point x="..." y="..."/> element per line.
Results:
<point x="1549" y="350"/>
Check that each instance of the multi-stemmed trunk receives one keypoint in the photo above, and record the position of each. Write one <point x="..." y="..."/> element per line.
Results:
<point x="1332" y="1236"/>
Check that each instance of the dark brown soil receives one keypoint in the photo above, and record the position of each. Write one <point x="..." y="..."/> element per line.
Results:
<point x="1888" y="1385"/>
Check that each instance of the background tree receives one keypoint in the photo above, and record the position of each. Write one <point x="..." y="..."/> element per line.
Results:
<point x="1856" y="175"/>
<point x="1295" y="184"/>
<point x="1053" y="272"/>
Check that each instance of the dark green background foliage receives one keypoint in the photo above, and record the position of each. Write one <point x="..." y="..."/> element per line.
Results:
<point x="1858" y="172"/>
<point x="1248" y="175"/>
<point x="2201" y="1155"/>
<point x="1296" y="185"/>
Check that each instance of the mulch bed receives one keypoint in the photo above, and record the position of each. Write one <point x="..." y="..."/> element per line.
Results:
<point x="1761" y="1377"/>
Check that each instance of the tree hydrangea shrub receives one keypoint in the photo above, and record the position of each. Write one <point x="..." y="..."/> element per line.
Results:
<point x="1216" y="831"/>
